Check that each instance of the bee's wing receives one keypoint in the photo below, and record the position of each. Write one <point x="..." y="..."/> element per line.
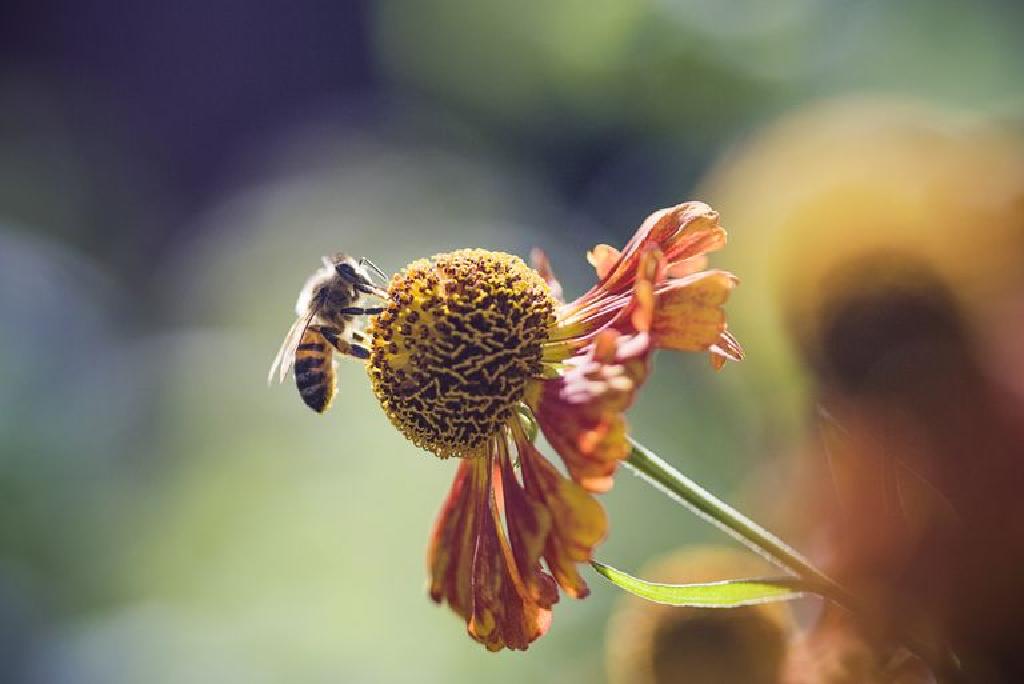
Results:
<point x="286" y="354"/>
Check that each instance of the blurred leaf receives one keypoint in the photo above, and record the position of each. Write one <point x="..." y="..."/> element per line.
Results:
<point x="724" y="594"/>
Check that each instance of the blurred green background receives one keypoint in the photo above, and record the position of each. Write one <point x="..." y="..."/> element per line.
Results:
<point x="169" y="176"/>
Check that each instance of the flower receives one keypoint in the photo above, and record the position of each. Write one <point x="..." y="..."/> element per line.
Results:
<point x="475" y="351"/>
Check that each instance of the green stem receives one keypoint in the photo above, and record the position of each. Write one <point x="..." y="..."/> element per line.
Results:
<point x="660" y="473"/>
<point x="650" y="467"/>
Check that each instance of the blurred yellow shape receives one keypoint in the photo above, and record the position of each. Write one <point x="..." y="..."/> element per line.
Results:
<point x="841" y="180"/>
<point x="650" y="643"/>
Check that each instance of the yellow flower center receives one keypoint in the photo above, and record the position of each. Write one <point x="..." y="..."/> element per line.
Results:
<point x="454" y="350"/>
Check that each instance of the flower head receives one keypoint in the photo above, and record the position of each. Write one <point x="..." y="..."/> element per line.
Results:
<point x="475" y="348"/>
<point x="458" y="344"/>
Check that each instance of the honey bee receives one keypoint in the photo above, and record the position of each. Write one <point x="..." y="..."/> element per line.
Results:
<point x="330" y="301"/>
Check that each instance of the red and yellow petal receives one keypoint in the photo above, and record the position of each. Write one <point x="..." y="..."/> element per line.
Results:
<point x="689" y="316"/>
<point x="580" y="412"/>
<point x="579" y="522"/>
<point x="726" y="348"/>
<point x="475" y="570"/>
<point x="529" y="524"/>
<point x="503" y="615"/>
<point x="656" y="285"/>
<point x="453" y="541"/>
<point x="686" y="314"/>
<point x="682" y="233"/>
<point x="684" y="267"/>
<point x="643" y="307"/>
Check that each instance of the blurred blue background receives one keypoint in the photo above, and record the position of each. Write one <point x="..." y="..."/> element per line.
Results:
<point x="171" y="172"/>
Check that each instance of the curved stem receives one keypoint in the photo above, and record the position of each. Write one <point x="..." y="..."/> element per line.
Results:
<point x="650" y="467"/>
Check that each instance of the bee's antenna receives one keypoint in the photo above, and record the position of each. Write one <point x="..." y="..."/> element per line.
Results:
<point x="363" y="261"/>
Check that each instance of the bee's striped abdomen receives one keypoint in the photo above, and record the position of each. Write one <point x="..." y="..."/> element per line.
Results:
<point x="314" y="371"/>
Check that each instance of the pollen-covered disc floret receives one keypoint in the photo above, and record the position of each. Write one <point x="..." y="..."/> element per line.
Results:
<point x="456" y="346"/>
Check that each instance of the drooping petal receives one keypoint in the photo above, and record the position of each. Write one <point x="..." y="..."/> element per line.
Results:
<point x="529" y="525"/>
<point x="488" y="582"/>
<point x="453" y="541"/>
<point x="505" y="615"/>
<point x="578" y="522"/>
<point x="502" y="616"/>
<point x="474" y="570"/>
<point x="580" y="412"/>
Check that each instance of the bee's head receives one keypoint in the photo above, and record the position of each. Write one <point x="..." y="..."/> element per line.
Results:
<point x="346" y="270"/>
<point x="343" y="265"/>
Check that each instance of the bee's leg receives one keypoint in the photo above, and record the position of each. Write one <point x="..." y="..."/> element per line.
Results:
<point x="362" y="310"/>
<point x="371" y="289"/>
<point x="358" y="344"/>
<point x="333" y="335"/>
<point x="357" y="350"/>
<point x="329" y="333"/>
